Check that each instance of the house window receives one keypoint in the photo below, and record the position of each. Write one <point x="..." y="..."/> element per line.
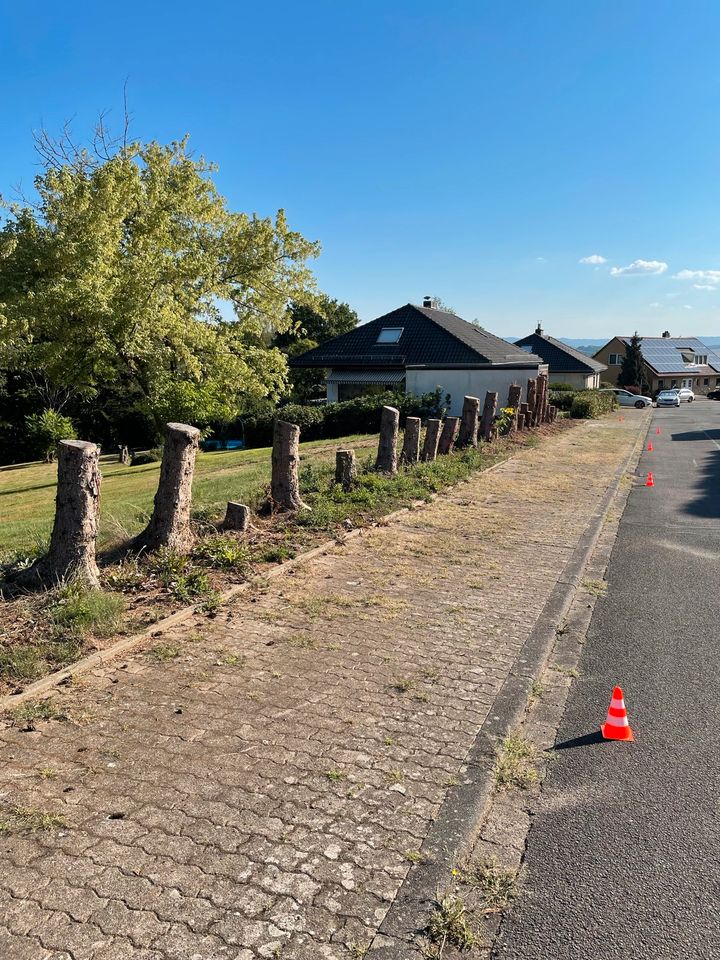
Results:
<point x="706" y="382"/>
<point x="389" y="334"/>
<point x="661" y="384"/>
<point x="673" y="383"/>
<point x="614" y="360"/>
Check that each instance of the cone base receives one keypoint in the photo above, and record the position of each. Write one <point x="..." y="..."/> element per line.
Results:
<point x="616" y="733"/>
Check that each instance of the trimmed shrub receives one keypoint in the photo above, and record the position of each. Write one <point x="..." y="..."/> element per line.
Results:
<point x="560" y="386"/>
<point x="562" y="399"/>
<point x="591" y="404"/>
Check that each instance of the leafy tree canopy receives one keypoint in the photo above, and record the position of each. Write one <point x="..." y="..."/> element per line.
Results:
<point x="130" y="270"/>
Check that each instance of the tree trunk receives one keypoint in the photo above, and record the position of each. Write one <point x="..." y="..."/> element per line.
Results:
<point x="285" y="485"/>
<point x="387" y="446"/>
<point x="531" y="395"/>
<point x="237" y="517"/>
<point x="432" y="438"/>
<point x="345" y="469"/>
<point x="520" y="422"/>
<point x="447" y="437"/>
<point x="469" y="423"/>
<point x="411" y="441"/>
<point x="538" y="415"/>
<point x="77" y="510"/>
<point x="488" y="416"/>
<point x="169" y="525"/>
<point x="513" y="400"/>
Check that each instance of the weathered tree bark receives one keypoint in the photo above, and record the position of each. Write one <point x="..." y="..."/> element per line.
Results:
<point x="513" y="400"/>
<point x="123" y="454"/>
<point x="237" y="517"/>
<point x="285" y="483"/>
<point x="520" y="422"/>
<point x="77" y="510"/>
<point x="432" y="438"/>
<point x="387" y="447"/>
<point x="345" y="468"/>
<point x="538" y="414"/>
<point x="467" y="436"/>
<point x="169" y="525"/>
<point x="411" y="441"/>
<point x="552" y="413"/>
<point x="531" y="395"/>
<point x="488" y="415"/>
<point x="448" y="434"/>
<point x="525" y="411"/>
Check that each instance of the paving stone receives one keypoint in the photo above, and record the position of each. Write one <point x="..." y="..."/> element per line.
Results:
<point x="274" y="815"/>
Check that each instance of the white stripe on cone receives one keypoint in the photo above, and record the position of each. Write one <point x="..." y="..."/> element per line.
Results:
<point x="617" y="721"/>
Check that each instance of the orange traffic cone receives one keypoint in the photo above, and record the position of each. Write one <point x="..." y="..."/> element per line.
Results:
<point x="650" y="446"/>
<point x="657" y="431"/>
<point x="616" y="726"/>
<point x="649" y="482"/>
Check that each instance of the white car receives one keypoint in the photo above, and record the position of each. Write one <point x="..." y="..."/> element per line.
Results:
<point x="627" y="399"/>
<point x="668" y="398"/>
<point x="686" y="395"/>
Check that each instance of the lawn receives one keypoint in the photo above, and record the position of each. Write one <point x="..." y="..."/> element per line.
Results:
<point x="27" y="492"/>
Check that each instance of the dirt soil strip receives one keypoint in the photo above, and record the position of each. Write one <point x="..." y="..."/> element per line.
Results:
<point x="260" y="785"/>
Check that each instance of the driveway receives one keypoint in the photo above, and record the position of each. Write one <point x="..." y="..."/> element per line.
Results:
<point x="622" y="859"/>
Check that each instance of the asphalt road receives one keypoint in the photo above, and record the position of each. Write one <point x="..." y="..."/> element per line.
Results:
<point x="623" y="858"/>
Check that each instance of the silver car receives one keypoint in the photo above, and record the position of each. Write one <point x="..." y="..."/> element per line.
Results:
<point x="627" y="399"/>
<point x="668" y="398"/>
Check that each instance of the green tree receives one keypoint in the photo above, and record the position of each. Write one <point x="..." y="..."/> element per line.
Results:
<point x="47" y="429"/>
<point x="311" y="325"/>
<point x="632" y="371"/>
<point x="130" y="270"/>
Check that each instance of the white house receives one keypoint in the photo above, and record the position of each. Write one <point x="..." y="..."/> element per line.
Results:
<point x="418" y="350"/>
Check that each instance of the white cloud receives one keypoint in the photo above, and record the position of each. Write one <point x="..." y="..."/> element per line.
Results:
<point x="655" y="304"/>
<point x="640" y="267"/>
<point x="593" y="258"/>
<point x="686" y="306"/>
<point x="541" y="259"/>
<point x="705" y="279"/>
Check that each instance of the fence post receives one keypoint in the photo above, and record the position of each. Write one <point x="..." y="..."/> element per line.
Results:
<point x="432" y="437"/>
<point x="540" y="399"/>
<point x="237" y="517"/>
<point x="525" y="411"/>
<point x="513" y="400"/>
<point x="169" y="524"/>
<point x="285" y="482"/>
<point x="448" y="434"/>
<point x="520" y="421"/>
<point x="411" y="441"/>
<point x="469" y="423"/>
<point x="387" y="446"/>
<point x="77" y="510"/>
<point x="531" y="397"/>
<point x="488" y="415"/>
<point x="345" y="468"/>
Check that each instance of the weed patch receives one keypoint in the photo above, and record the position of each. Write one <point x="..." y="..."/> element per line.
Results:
<point x="26" y="820"/>
<point x="450" y="925"/>
<point x="77" y="611"/>
<point x="497" y="885"/>
<point x="514" y="763"/>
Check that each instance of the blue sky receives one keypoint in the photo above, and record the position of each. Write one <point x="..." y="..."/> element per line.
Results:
<point x="468" y="150"/>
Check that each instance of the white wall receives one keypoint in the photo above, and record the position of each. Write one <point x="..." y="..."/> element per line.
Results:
<point x="471" y="383"/>
<point x="332" y="392"/>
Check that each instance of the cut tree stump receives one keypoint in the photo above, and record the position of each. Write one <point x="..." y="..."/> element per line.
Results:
<point x="531" y="395"/>
<point x="169" y="526"/>
<point x="540" y="395"/>
<point x="467" y="437"/>
<point x="123" y="454"/>
<point x="387" y="446"/>
<point x="345" y="469"/>
<point x="285" y="483"/>
<point x="432" y="438"/>
<point x="513" y="400"/>
<point x="488" y="415"/>
<point x="411" y="441"/>
<point x="525" y="411"/>
<point x="237" y="517"/>
<point x="71" y="555"/>
<point x="520" y="421"/>
<point x="448" y="434"/>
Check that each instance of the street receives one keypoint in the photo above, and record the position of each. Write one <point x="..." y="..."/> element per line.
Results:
<point x="623" y="857"/>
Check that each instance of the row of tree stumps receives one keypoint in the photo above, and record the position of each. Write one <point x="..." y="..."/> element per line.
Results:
<point x="72" y="551"/>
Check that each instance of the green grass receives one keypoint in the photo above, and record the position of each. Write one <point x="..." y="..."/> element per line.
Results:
<point x="27" y="493"/>
<point x="78" y="611"/>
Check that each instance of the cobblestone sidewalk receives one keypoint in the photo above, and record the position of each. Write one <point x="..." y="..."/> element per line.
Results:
<point x="260" y="785"/>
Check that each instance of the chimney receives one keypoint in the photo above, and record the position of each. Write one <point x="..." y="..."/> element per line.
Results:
<point x="538" y="330"/>
<point x="666" y="334"/>
<point x="427" y="302"/>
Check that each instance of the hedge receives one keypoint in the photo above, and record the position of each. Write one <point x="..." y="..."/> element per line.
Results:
<point x="327" y="421"/>
<point x="583" y="404"/>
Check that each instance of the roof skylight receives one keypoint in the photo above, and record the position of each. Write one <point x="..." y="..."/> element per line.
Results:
<point x="390" y="335"/>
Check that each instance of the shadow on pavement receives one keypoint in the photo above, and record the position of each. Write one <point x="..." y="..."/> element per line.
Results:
<point x="707" y="500"/>
<point x="587" y="740"/>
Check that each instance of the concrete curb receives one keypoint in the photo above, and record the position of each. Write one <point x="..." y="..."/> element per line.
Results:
<point x="463" y="811"/>
<point x="102" y="657"/>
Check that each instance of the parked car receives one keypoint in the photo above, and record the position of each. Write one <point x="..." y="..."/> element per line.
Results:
<point x="686" y="395"/>
<point x="668" y="398"/>
<point x="627" y="399"/>
<point x="714" y="395"/>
